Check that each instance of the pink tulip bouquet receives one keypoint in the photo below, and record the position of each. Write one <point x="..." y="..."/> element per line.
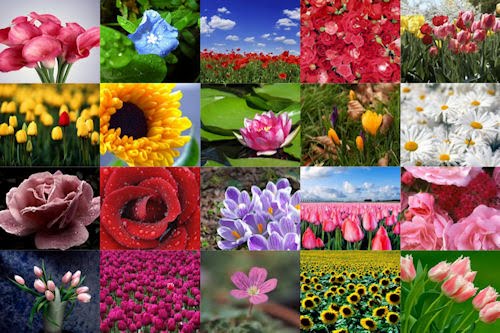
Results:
<point x="41" y="42"/>
<point x="433" y="299"/>
<point x="450" y="208"/>
<point x="350" y="226"/>
<point x="51" y="300"/>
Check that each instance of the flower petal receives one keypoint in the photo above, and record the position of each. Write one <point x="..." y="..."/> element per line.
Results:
<point x="241" y="280"/>
<point x="257" y="275"/>
<point x="74" y="235"/>
<point x="268" y="286"/>
<point x="10" y="225"/>
<point x="239" y="294"/>
<point x="257" y="243"/>
<point x="258" y="299"/>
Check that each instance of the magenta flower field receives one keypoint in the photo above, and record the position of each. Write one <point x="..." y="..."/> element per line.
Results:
<point x="150" y="291"/>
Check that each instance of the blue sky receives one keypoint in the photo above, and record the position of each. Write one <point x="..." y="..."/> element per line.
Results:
<point x="349" y="184"/>
<point x="251" y="25"/>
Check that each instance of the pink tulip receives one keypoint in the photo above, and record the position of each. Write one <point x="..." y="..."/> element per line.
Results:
<point x="11" y="59"/>
<point x="461" y="266"/>
<point x="453" y="285"/>
<point x="369" y="222"/>
<point x="408" y="272"/>
<point x="484" y="297"/>
<point x="467" y="17"/>
<point x="66" y="278"/>
<point x="319" y="243"/>
<point x="407" y="178"/>
<point x="476" y="25"/>
<point x="77" y="274"/>
<point x="470" y="276"/>
<point x="328" y="225"/>
<point x="381" y="241"/>
<point x="49" y="295"/>
<point x="308" y="239"/>
<point x="463" y="37"/>
<point x="487" y="21"/>
<point x="490" y="312"/>
<point x="266" y="133"/>
<point x="479" y="35"/>
<point x="39" y="286"/>
<point x="51" y="285"/>
<point x="84" y="297"/>
<point x="439" y="272"/>
<point x="22" y="33"/>
<point x="82" y="289"/>
<point x="397" y="228"/>
<point x="351" y="231"/>
<point x="466" y="292"/>
<point x="19" y="279"/>
<point x="75" y="282"/>
<point x="42" y="48"/>
<point x="38" y="271"/>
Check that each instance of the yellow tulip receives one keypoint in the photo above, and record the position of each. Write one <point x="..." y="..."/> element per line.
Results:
<point x="371" y="121"/>
<point x="333" y="136"/>
<point x="10" y="130"/>
<point x="32" y="129"/>
<point x="13" y="121"/>
<point x="359" y="143"/>
<point x="30" y="116"/>
<point x="82" y="131"/>
<point x="94" y="138"/>
<point x="90" y="124"/>
<point x="47" y="119"/>
<point x="56" y="133"/>
<point x="29" y="146"/>
<point x="21" y="136"/>
<point x="4" y="129"/>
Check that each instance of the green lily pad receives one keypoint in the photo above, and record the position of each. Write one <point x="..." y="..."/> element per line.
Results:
<point x="261" y="162"/>
<point x="293" y="111"/>
<point x="209" y="95"/>
<point x="289" y="91"/>
<point x="209" y="136"/>
<point x="295" y="148"/>
<point x="212" y="163"/>
<point x="226" y="114"/>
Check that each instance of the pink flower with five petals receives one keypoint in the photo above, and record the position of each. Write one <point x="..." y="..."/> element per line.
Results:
<point x="254" y="286"/>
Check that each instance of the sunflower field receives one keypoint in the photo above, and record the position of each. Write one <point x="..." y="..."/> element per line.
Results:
<point x="349" y="291"/>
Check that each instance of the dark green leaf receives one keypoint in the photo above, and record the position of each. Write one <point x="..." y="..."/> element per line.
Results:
<point x="127" y="25"/>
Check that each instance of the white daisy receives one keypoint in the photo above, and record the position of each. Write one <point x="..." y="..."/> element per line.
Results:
<point x="483" y="123"/>
<point x="465" y="142"/>
<point x="483" y="157"/>
<point x="446" y="154"/>
<point x="416" y="145"/>
<point x="443" y="109"/>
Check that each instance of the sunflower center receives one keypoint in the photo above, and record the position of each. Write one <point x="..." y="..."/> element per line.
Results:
<point x="476" y="125"/>
<point x="329" y="316"/>
<point x="131" y="120"/>
<point x="411" y="146"/>
<point x="393" y="318"/>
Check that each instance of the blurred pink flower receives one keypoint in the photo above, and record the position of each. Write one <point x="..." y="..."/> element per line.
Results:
<point x="479" y="231"/>
<point x="66" y="278"/>
<point x="253" y="286"/>
<point x="422" y="204"/>
<point x="461" y="266"/>
<point x="38" y="271"/>
<point x="266" y="133"/>
<point x="11" y="59"/>
<point x="42" y="49"/>
<point x="417" y="234"/>
<point x="39" y="286"/>
<point x="459" y="176"/>
<point x="49" y="295"/>
<point x="84" y="297"/>
<point x="51" y="285"/>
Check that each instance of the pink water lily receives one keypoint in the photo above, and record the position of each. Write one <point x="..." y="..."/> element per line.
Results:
<point x="254" y="286"/>
<point x="267" y="132"/>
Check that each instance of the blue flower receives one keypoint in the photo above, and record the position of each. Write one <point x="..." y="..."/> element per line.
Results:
<point x="154" y="35"/>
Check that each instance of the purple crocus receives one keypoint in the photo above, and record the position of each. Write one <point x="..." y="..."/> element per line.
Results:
<point x="233" y="232"/>
<point x="254" y="286"/>
<point x="333" y="116"/>
<point x="236" y="204"/>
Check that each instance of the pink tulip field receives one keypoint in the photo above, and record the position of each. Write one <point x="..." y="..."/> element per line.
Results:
<point x="350" y="226"/>
<point x="150" y="291"/>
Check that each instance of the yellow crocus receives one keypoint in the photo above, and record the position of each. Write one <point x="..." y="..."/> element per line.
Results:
<point x="371" y="121"/>
<point x="21" y="136"/>
<point x="333" y="136"/>
<point x="359" y="143"/>
<point x="56" y="133"/>
<point x="32" y="129"/>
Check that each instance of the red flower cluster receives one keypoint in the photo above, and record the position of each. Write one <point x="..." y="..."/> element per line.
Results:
<point x="150" y="208"/>
<point x="42" y="38"/>
<point x="462" y="34"/>
<point x="350" y="41"/>
<point x="238" y="61"/>
<point x="459" y="202"/>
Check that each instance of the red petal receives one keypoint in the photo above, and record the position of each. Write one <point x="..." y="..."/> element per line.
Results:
<point x="133" y="176"/>
<point x="189" y="190"/>
<point x="192" y="226"/>
<point x="176" y="241"/>
<point x="107" y="242"/>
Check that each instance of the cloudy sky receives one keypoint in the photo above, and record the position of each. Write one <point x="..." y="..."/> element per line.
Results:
<point x="251" y="25"/>
<point x="349" y="184"/>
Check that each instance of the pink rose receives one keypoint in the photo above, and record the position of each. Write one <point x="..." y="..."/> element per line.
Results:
<point x="55" y="207"/>
<point x="422" y="204"/>
<point x="479" y="231"/>
<point x="418" y="235"/>
<point x="459" y="176"/>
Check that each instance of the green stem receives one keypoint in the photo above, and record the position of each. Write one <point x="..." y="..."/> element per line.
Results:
<point x="369" y="240"/>
<point x="68" y="67"/>
<point x="426" y="329"/>
<point x="41" y="74"/>
<point x="250" y="310"/>
<point x="465" y="320"/>
<point x="433" y="303"/>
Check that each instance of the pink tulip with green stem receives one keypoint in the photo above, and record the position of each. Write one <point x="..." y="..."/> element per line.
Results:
<point x="254" y="286"/>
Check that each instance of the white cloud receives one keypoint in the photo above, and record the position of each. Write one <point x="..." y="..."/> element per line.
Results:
<point x="297" y="34"/>
<point x="367" y="185"/>
<point x="348" y="187"/>
<point x="234" y="38"/>
<point x="223" y="10"/>
<point x="219" y="44"/>
<point x="219" y="23"/>
<point x="204" y="27"/>
<point x="266" y="36"/>
<point x="289" y="42"/>
<point x="294" y="14"/>
<point x="285" y="22"/>
<point x="250" y="39"/>
<point x="279" y="39"/>
<point x="314" y="172"/>
<point x="261" y="44"/>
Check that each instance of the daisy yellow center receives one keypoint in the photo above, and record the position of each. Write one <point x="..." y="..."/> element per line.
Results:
<point x="444" y="107"/>
<point x="253" y="290"/>
<point x="131" y="121"/>
<point x="475" y="103"/>
<point x="444" y="157"/>
<point x="419" y="109"/>
<point x="476" y="125"/>
<point x="422" y="97"/>
<point x="406" y="90"/>
<point x="490" y="92"/>
<point x="469" y="142"/>
<point x="447" y="141"/>
<point x="236" y="234"/>
<point x="411" y="146"/>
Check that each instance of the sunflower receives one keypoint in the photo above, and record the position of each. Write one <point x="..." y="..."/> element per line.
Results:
<point x="380" y="312"/>
<point x="369" y="324"/>
<point x="334" y="307"/>
<point x="392" y="317"/>
<point x="341" y="291"/>
<point x="308" y="303"/>
<point x="318" y="287"/>
<point x="341" y="330"/>
<point x="372" y="302"/>
<point x="305" y="288"/>
<point x="141" y="123"/>
<point x="374" y="288"/>
<point x="396" y="280"/>
<point x="328" y="294"/>
<point x="306" y="323"/>
<point x="384" y="282"/>
<point x="354" y="298"/>
<point x="393" y="298"/>
<point x="315" y="279"/>
<point x="328" y="317"/>
<point x="361" y="290"/>
<point x="352" y="276"/>
<point x="351" y="286"/>
<point x="316" y="299"/>
<point x="346" y="311"/>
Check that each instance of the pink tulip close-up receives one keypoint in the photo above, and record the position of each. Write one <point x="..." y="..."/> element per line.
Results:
<point x="408" y="272"/>
<point x="484" y="297"/>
